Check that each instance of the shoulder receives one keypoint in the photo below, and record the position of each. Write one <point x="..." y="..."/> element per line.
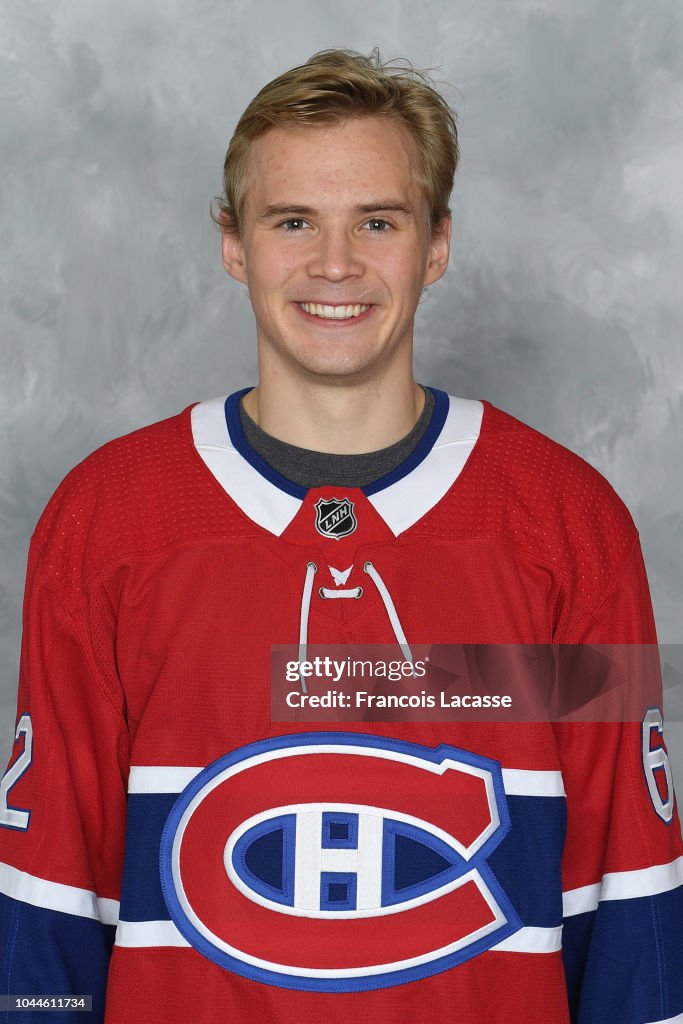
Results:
<point x="116" y="471"/>
<point x="544" y="480"/>
<point x="540" y="499"/>
<point x="555" y="506"/>
<point x="141" y="492"/>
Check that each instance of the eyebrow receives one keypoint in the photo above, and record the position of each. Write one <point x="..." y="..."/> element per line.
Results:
<point x="378" y="206"/>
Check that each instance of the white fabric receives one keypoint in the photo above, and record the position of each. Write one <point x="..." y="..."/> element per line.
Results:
<point x="340" y="576"/>
<point x="261" y="500"/>
<point x="406" y="501"/>
<point x="162" y="779"/>
<point x="134" y="934"/>
<point x="624" y="885"/>
<point x="164" y="933"/>
<point x="522" y="782"/>
<point x="68" y="899"/>
<point x="400" y="505"/>
<point x="174" y="779"/>
<point x="532" y="940"/>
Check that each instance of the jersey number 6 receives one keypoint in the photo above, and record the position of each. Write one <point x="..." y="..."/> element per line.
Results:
<point x="656" y="759"/>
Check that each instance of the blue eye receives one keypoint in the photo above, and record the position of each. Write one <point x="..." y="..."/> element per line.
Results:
<point x="294" y="224"/>
<point x="378" y="225"/>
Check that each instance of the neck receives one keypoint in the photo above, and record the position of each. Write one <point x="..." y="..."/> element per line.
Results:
<point x="337" y="419"/>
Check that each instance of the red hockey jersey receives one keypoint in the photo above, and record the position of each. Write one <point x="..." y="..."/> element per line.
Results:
<point x="247" y="869"/>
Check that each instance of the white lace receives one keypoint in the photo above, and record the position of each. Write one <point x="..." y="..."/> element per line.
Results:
<point x="391" y="610"/>
<point x="330" y="593"/>
<point x="311" y="570"/>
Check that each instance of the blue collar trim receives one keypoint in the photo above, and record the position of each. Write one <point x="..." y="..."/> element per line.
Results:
<point x="425" y="445"/>
<point x="420" y="453"/>
<point x="240" y="444"/>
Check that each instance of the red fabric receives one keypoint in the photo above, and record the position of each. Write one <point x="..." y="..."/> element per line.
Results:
<point x="152" y="605"/>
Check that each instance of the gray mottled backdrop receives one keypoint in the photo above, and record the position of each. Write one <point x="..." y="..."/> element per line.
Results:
<point x="562" y="304"/>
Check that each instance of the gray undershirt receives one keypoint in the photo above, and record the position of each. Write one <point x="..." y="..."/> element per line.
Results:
<point x="315" y="469"/>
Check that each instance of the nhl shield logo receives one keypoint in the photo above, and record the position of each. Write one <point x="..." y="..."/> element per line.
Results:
<point x="335" y="518"/>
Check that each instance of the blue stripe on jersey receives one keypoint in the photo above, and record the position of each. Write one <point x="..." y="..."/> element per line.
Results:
<point x="526" y="864"/>
<point x="576" y="933"/>
<point x="528" y="861"/>
<point x="141" y="895"/>
<point x="240" y="444"/>
<point x="622" y="961"/>
<point x="421" y="450"/>
<point x="51" y="953"/>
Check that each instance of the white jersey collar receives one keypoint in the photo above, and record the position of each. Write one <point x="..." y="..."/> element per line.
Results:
<point x="401" y="498"/>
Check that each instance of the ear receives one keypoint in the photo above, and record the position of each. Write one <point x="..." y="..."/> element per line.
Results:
<point x="233" y="255"/>
<point x="439" y="249"/>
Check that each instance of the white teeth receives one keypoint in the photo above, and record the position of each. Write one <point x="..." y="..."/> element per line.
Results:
<point x="333" y="312"/>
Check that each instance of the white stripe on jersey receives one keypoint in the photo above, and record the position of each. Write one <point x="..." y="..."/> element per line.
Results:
<point x="138" y="934"/>
<point x="532" y="940"/>
<point x="174" y="779"/>
<point x="522" y="782"/>
<point x="68" y="899"/>
<point x="624" y="885"/>
<point x="160" y="779"/>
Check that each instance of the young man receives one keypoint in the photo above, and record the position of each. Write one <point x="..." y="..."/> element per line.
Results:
<point x="378" y="871"/>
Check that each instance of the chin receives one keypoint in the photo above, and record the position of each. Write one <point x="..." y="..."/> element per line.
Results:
<point x="340" y="376"/>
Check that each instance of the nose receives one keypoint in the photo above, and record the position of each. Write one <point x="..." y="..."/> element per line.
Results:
<point x="335" y="256"/>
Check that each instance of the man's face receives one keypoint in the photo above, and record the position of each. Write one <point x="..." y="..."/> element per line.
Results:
<point x="335" y="248"/>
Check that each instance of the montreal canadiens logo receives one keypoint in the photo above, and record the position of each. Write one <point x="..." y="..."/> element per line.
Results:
<point x="334" y="517"/>
<point x="338" y="861"/>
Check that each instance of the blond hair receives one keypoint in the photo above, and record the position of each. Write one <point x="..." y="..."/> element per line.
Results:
<point x="330" y="87"/>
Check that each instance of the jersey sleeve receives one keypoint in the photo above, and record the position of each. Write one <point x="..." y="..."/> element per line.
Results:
<point x="623" y="856"/>
<point x="62" y="811"/>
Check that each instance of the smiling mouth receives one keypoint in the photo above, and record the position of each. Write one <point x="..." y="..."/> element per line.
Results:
<point x="333" y="312"/>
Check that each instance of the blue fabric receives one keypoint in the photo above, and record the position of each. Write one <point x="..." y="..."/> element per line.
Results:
<point x="526" y="863"/>
<point x="264" y="858"/>
<point x="622" y="962"/>
<point x="141" y="895"/>
<point x="45" y="952"/>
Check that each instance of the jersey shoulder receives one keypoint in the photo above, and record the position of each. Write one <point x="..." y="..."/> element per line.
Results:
<point x="546" y="481"/>
<point x="138" y="493"/>
<point x="521" y="488"/>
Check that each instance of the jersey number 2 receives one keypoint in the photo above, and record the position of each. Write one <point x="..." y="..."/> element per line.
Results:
<point x="14" y="817"/>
